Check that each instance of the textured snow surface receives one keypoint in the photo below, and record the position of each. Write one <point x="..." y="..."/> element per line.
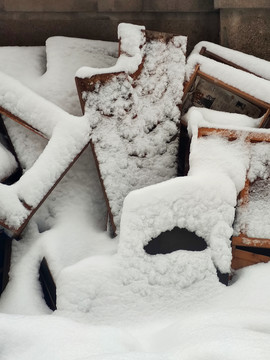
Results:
<point x="206" y="321"/>
<point x="253" y="218"/>
<point x="135" y="121"/>
<point x="110" y="309"/>
<point x="202" y="202"/>
<point x="251" y="63"/>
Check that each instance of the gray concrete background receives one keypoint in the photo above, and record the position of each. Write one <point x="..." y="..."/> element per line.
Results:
<point x="239" y="24"/>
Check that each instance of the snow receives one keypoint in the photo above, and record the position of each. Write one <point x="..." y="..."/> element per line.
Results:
<point x="224" y="323"/>
<point x="60" y="74"/>
<point x="115" y="301"/>
<point x="67" y="134"/>
<point x="141" y="117"/>
<point x="7" y="161"/>
<point x="207" y="118"/>
<point x="253" y="219"/>
<point x="26" y="63"/>
<point x="248" y="83"/>
<point x="196" y="202"/>
<point x="67" y="140"/>
<point x="251" y="63"/>
<point x="131" y="38"/>
<point x="219" y="119"/>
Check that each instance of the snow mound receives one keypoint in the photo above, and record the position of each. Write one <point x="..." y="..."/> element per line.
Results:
<point x="203" y="202"/>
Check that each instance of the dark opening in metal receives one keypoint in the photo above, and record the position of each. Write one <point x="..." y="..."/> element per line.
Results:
<point x="173" y="240"/>
<point x="180" y="239"/>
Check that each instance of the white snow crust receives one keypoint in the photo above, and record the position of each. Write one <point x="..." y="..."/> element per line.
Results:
<point x="219" y="119"/>
<point x="67" y="134"/>
<point x="198" y="203"/>
<point x="201" y="117"/>
<point x="108" y="307"/>
<point x="140" y="116"/>
<point x="25" y="63"/>
<point x="203" y="202"/>
<point x="251" y="63"/>
<point x="131" y="38"/>
<point x="253" y="218"/>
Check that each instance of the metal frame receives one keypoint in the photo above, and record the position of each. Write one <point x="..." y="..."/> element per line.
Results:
<point x="15" y="232"/>
<point x="242" y="242"/>
<point x="89" y="85"/>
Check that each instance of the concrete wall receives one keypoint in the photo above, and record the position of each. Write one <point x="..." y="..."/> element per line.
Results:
<point x="245" y="25"/>
<point x="31" y="22"/>
<point x="240" y="24"/>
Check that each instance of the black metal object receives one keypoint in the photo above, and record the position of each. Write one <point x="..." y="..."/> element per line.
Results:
<point x="223" y="277"/>
<point x="6" y="141"/>
<point x="47" y="284"/>
<point x="5" y="254"/>
<point x="183" y="151"/>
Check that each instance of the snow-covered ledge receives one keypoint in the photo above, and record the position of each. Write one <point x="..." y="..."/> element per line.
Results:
<point x="241" y="4"/>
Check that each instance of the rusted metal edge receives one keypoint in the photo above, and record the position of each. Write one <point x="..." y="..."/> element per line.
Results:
<point x="265" y="120"/>
<point x="160" y="36"/>
<point x="89" y="84"/>
<point x="22" y="122"/>
<point x="188" y="84"/>
<point x="243" y="258"/>
<point x="264" y="106"/>
<point x="244" y="240"/>
<point x="253" y="137"/>
<point x="248" y="136"/>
